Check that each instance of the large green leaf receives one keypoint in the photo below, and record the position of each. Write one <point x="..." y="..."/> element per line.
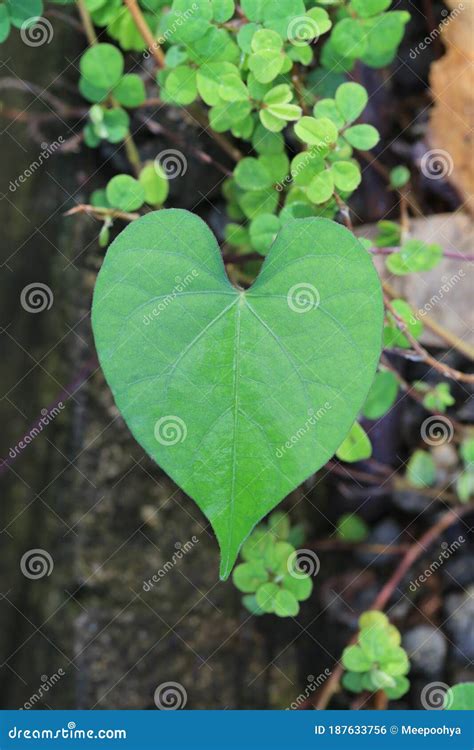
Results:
<point x="238" y="395"/>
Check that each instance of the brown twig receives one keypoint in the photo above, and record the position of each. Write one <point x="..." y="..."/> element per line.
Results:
<point x="101" y="213"/>
<point x="445" y="370"/>
<point x="383" y="597"/>
<point x="87" y="22"/>
<point x="142" y="26"/>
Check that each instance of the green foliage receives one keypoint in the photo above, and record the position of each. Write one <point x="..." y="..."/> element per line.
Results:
<point x="465" y="480"/>
<point x="393" y="336"/>
<point x="460" y="697"/>
<point x="356" y="446"/>
<point x="389" y="234"/>
<point x="376" y="661"/>
<point x="436" y="398"/>
<point x="270" y="573"/>
<point x="218" y="397"/>
<point x="421" y="469"/>
<point x="399" y="177"/>
<point x="352" y="528"/>
<point x="18" y="13"/>
<point x="382" y="395"/>
<point x="125" y="193"/>
<point x="415" y="256"/>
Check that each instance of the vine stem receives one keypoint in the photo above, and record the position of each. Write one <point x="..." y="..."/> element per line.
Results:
<point x="450" y="338"/>
<point x="145" y="31"/>
<point x="87" y="22"/>
<point x="446" y="370"/>
<point x="99" y="212"/>
<point x="131" y="150"/>
<point x="383" y="597"/>
<point x="159" y="57"/>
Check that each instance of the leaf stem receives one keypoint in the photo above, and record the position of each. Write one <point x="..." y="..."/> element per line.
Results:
<point x="87" y="22"/>
<point x="145" y="31"/>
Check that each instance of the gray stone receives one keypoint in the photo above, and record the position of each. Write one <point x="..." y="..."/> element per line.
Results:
<point x="426" y="647"/>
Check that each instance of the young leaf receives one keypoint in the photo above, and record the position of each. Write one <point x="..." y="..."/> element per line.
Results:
<point x="460" y="697"/>
<point x="102" y="66"/>
<point x="212" y="380"/>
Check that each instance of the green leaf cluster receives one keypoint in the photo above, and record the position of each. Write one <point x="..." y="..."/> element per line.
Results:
<point x="104" y="83"/>
<point x="415" y="256"/>
<point x="465" y="480"/>
<point x="126" y="193"/>
<point x="366" y="32"/>
<point x="18" y="13"/>
<point x="267" y="575"/>
<point x="377" y="661"/>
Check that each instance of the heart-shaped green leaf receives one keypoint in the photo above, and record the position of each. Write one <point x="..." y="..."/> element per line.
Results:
<point x="238" y="395"/>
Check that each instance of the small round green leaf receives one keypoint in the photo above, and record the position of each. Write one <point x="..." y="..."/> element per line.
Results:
<point x="125" y="193"/>
<point x="102" y="66"/>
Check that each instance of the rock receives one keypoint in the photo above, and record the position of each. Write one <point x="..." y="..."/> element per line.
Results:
<point x="411" y="501"/>
<point x="426" y="647"/>
<point x="457" y="571"/>
<point x="459" y="610"/>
